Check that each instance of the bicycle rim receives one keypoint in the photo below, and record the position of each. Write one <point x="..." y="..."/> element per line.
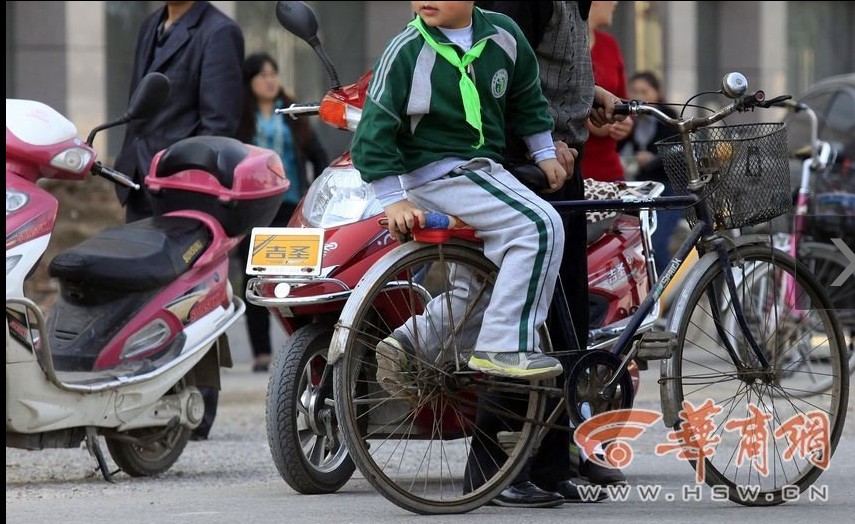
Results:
<point x="752" y="417"/>
<point x="414" y="437"/>
<point x="811" y="367"/>
<point x="826" y="263"/>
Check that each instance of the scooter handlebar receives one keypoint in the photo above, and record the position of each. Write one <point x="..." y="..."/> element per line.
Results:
<point x="114" y="176"/>
<point x="295" y="110"/>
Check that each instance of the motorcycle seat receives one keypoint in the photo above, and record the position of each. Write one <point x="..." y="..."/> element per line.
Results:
<point x="216" y="155"/>
<point x="139" y="256"/>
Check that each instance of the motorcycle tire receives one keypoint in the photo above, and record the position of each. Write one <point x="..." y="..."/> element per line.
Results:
<point x="300" y="417"/>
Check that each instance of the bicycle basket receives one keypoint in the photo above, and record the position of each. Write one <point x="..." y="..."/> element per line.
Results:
<point x="745" y="168"/>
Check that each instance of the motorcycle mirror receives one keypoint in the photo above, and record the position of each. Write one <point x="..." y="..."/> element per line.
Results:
<point x="298" y="19"/>
<point x="149" y="97"/>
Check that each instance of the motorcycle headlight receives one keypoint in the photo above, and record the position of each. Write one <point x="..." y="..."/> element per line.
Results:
<point x="15" y="200"/>
<point x="339" y="196"/>
<point x="74" y="159"/>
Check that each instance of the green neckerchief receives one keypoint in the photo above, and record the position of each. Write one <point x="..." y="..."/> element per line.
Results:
<point x="471" y="101"/>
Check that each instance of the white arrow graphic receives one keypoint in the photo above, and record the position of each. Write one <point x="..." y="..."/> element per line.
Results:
<point x="850" y="269"/>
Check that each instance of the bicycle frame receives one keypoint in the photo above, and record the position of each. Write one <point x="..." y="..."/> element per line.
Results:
<point x="701" y="236"/>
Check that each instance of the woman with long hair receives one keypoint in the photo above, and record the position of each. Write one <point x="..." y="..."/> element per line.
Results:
<point x="297" y="145"/>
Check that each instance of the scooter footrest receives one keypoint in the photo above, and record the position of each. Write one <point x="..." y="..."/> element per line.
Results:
<point x="656" y="345"/>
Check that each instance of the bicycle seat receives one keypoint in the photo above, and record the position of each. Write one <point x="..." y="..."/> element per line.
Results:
<point x="457" y="229"/>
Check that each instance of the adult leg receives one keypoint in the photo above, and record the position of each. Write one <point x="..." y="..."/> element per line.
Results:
<point x="138" y="205"/>
<point x="258" y="317"/>
<point x="552" y="462"/>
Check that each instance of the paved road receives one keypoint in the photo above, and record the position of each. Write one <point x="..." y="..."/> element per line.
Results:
<point x="230" y="478"/>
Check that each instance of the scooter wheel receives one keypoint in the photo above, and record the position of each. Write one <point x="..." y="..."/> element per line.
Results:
<point x="139" y="453"/>
<point x="583" y="389"/>
<point x="151" y="458"/>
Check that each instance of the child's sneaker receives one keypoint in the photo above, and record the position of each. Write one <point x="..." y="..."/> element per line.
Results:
<point x="515" y="364"/>
<point x="393" y="361"/>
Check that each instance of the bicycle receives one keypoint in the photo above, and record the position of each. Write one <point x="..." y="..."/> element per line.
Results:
<point x="809" y="242"/>
<point x="413" y="442"/>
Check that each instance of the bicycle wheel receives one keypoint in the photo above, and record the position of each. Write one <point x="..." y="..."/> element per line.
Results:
<point x="810" y="367"/>
<point x="416" y="440"/>
<point x="747" y="431"/>
<point x="826" y="263"/>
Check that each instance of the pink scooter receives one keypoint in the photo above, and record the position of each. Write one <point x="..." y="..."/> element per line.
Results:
<point x="143" y="309"/>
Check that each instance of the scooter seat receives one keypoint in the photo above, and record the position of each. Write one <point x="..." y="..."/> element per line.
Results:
<point x="216" y="155"/>
<point x="140" y="256"/>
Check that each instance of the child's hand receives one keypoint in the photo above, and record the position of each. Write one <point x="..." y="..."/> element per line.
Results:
<point x="554" y="173"/>
<point x="402" y="216"/>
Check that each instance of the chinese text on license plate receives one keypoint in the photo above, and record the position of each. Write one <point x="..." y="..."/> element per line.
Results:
<point x="285" y="251"/>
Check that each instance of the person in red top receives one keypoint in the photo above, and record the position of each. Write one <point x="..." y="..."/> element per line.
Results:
<point x="601" y="160"/>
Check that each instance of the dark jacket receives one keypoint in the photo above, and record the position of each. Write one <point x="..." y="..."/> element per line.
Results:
<point x="203" y="58"/>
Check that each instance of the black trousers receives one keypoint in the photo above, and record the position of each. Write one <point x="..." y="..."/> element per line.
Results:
<point x="551" y="463"/>
<point x="257" y="317"/>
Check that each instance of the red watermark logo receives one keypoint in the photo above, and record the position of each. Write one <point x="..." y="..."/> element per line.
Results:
<point x="805" y="435"/>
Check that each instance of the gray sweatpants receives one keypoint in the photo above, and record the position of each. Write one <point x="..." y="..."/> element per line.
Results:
<point x="522" y="234"/>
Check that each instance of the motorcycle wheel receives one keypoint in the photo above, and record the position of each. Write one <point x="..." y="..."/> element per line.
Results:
<point x="153" y="458"/>
<point x="302" y="429"/>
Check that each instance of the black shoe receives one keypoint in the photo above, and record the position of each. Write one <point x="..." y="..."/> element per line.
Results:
<point x="197" y="435"/>
<point x="260" y="368"/>
<point x="596" y="474"/>
<point x="569" y="489"/>
<point x="527" y="495"/>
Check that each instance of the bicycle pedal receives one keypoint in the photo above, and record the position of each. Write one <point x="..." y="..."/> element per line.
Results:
<point x="656" y="345"/>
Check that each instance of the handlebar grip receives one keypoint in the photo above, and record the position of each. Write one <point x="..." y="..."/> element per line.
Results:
<point x="435" y="220"/>
<point x="114" y="176"/>
<point x="778" y="101"/>
<point x="623" y="108"/>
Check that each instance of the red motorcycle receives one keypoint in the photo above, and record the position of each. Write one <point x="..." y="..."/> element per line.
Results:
<point x="304" y="274"/>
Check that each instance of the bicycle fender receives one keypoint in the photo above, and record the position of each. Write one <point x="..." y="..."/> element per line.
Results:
<point x="668" y="393"/>
<point x="354" y="301"/>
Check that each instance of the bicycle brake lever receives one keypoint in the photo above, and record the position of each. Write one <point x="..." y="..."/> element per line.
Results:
<point x="777" y="101"/>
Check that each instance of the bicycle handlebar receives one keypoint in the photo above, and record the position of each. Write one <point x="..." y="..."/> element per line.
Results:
<point x="743" y="103"/>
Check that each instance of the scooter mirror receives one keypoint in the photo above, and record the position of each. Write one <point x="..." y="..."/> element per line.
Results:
<point x="298" y="19"/>
<point x="149" y="97"/>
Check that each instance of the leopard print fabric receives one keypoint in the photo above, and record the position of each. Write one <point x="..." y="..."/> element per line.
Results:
<point x="597" y="190"/>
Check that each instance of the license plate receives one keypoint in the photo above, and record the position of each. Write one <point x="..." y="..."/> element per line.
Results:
<point x="285" y="251"/>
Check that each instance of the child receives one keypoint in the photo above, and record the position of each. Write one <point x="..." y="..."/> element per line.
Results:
<point x="430" y="137"/>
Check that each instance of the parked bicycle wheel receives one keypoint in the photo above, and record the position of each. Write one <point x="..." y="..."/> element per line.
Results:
<point x="409" y="421"/>
<point x="826" y="263"/>
<point x="783" y="324"/>
<point x="809" y="366"/>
